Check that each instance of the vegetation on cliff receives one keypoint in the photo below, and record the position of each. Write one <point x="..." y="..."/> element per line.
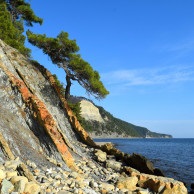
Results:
<point x="111" y="126"/>
<point x="13" y="14"/>
<point x="114" y="125"/>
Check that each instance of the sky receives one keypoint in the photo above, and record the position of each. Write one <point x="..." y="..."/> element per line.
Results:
<point x="143" y="50"/>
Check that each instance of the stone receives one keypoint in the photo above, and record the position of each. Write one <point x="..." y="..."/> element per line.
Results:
<point x="33" y="165"/>
<point x="110" y="149"/>
<point x="23" y="170"/>
<point x="2" y="167"/>
<point x="161" y="184"/>
<point x="12" y="164"/>
<point x="32" y="188"/>
<point x="58" y="177"/>
<point x="158" y="172"/>
<point x="56" y="183"/>
<point x="143" y="191"/>
<point x="36" y="172"/>
<point x="127" y="182"/>
<point x="113" y="164"/>
<point x="2" y="174"/>
<point x="93" y="184"/>
<point x="18" y="178"/>
<point x="141" y="163"/>
<point x="100" y="155"/>
<point x="10" y="174"/>
<point x="74" y="175"/>
<point x="19" y="186"/>
<point x="6" y="187"/>
<point x="126" y="191"/>
<point x="108" y="187"/>
<point x="64" y="192"/>
<point x="91" y="165"/>
<point x="130" y="171"/>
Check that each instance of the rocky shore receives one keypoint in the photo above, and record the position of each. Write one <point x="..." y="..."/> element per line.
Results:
<point x="101" y="173"/>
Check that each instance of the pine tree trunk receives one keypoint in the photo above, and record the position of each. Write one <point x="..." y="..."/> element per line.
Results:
<point x="68" y="86"/>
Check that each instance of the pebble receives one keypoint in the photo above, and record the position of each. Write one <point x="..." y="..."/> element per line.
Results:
<point x="95" y="179"/>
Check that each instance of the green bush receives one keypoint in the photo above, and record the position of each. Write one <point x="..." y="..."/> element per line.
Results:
<point x="59" y="85"/>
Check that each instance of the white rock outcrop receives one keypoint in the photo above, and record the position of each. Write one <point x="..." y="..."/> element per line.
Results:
<point x="90" y="112"/>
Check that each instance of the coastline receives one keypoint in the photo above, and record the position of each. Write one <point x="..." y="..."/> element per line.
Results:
<point x="156" y="150"/>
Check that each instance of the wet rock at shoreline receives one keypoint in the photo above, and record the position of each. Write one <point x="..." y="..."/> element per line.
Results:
<point x="142" y="164"/>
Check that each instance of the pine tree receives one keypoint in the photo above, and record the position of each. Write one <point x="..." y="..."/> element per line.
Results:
<point x="11" y="34"/>
<point x="63" y="53"/>
<point x="13" y="14"/>
<point x="19" y="9"/>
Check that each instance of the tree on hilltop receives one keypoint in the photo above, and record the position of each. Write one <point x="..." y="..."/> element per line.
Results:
<point x="63" y="52"/>
<point x="13" y="14"/>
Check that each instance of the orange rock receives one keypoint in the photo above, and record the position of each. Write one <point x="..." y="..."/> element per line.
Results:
<point x="43" y="116"/>
<point x="72" y="118"/>
<point x="162" y="185"/>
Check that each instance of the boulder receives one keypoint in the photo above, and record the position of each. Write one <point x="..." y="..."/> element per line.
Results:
<point x="100" y="155"/>
<point x="32" y="188"/>
<point x="19" y="186"/>
<point x="6" y="187"/>
<point x="10" y="174"/>
<point x="142" y="164"/>
<point x="12" y="164"/>
<point x="108" y="187"/>
<point x="127" y="183"/>
<point x="2" y="174"/>
<point x="160" y="184"/>
<point x="113" y="164"/>
<point x="18" y="178"/>
<point x="142" y="191"/>
<point x="111" y="150"/>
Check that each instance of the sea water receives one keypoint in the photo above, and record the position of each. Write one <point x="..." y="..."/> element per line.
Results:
<point x="174" y="156"/>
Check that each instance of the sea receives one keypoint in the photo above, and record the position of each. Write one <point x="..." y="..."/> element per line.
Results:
<point x="174" y="156"/>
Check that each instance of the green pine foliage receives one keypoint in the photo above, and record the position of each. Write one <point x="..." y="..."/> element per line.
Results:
<point x="59" y="84"/>
<point x="11" y="33"/>
<point x="75" y="107"/>
<point x="87" y="77"/>
<point x="21" y="10"/>
<point x="63" y="53"/>
<point x="13" y="14"/>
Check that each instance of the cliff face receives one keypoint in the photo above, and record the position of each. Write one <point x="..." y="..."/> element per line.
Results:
<point x="43" y="147"/>
<point x="90" y="112"/>
<point x="35" y="120"/>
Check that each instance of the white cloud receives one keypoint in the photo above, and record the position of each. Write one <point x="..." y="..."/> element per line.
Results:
<point x="150" y="76"/>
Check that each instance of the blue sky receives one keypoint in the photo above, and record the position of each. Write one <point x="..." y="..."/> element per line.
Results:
<point x="143" y="50"/>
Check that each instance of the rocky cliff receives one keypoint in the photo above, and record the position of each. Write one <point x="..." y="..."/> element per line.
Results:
<point x="44" y="149"/>
<point x="99" y="123"/>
